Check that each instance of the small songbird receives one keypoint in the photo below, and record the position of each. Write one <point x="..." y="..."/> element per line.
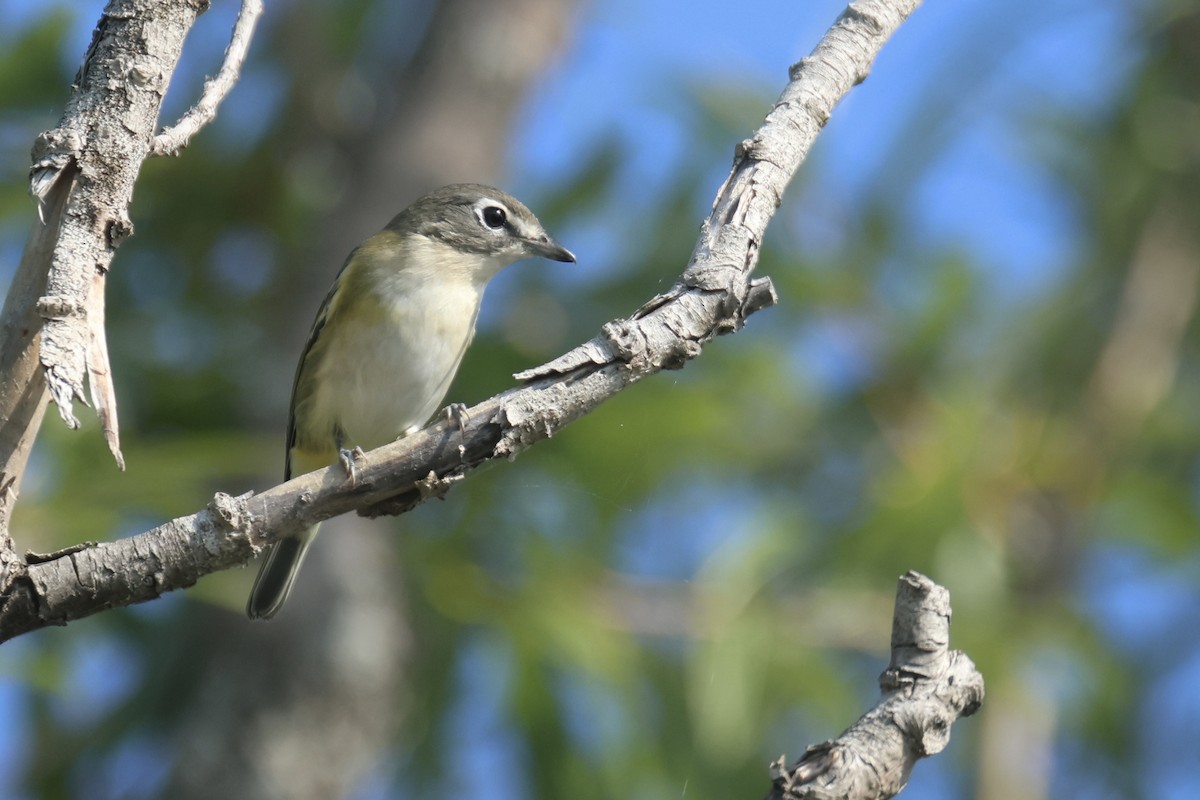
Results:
<point x="389" y="337"/>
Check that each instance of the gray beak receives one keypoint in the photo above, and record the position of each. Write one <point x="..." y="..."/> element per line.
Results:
<point x="546" y="247"/>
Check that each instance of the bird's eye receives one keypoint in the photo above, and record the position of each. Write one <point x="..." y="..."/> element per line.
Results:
<point x="494" y="217"/>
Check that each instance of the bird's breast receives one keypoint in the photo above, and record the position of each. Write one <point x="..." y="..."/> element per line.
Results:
<point x="389" y="363"/>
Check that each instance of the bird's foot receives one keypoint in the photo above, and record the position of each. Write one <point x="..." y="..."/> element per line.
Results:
<point x="456" y="413"/>
<point x="350" y="459"/>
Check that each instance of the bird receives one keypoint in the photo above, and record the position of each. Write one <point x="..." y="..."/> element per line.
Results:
<point x="389" y="337"/>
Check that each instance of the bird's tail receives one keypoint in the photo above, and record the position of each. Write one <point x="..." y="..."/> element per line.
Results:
<point x="277" y="574"/>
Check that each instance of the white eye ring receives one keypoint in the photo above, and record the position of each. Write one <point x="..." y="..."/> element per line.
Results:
<point x="492" y="215"/>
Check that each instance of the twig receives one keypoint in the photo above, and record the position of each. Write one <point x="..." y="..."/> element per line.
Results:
<point x="175" y="138"/>
<point x="926" y="688"/>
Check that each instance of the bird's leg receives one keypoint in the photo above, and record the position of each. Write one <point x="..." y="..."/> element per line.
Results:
<point x="457" y="413"/>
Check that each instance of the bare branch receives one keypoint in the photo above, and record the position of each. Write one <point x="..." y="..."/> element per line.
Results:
<point x="926" y="688"/>
<point x="714" y="296"/>
<point x="170" y="141"/>
<point x="717" y="276"/>
<point x="104" y="137"/>
<point x="390" y="480"/>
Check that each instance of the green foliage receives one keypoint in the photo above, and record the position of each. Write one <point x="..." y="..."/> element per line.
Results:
<point x="30" y="65"/>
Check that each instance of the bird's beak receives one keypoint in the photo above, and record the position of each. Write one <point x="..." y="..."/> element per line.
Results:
<point x="546" y="247"/>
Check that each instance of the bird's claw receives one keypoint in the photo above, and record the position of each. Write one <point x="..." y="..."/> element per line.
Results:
<point x="350" y="459"/>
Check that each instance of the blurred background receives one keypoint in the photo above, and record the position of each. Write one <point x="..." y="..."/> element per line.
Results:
<point x="985" y="365"/>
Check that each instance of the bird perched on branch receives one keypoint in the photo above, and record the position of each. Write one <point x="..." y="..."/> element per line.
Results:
<point x="389" y="337"/>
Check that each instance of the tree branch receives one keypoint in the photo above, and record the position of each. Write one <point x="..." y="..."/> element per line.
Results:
<point x="926" y="688"/>
<point x="712" y="297"/>
<point x="173" y="139"/>
<point x="105" y="135"/>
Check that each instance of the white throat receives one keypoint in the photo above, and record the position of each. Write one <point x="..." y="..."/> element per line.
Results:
<point x="427" y="260"/>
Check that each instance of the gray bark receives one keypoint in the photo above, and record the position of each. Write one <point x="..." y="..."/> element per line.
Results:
<point x="926" y="688"/>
